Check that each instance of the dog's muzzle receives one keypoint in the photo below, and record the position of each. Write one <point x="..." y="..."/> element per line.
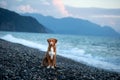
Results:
<point x="51" y="43"/>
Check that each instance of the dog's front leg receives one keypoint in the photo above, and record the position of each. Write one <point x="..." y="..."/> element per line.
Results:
<point x="49" y="63"/>
<point x="53" y="62"/>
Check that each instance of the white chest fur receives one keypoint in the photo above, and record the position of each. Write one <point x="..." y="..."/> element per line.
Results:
<point x="52" y="53"/>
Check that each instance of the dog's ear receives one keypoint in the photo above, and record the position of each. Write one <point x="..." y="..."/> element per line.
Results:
<point x="55" y="40"/>
<point x="48" y="40"/>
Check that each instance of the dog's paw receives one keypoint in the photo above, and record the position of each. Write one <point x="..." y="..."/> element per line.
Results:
<point x="53" y="67"/>
<point x="48" y="67"/>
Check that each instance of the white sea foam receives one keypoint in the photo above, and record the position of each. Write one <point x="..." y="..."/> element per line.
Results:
<point x="31" y="44"/>
<point x="74" y="53"/>
<point x="93" y="62"/>
<point x="80" y="56"/>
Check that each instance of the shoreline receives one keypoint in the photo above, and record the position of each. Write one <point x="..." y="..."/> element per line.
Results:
<point x="20" y="62"/>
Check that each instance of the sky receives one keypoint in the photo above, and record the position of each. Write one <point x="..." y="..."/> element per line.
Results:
<point x="102" y="12"/>
<point x="93" y="3"/>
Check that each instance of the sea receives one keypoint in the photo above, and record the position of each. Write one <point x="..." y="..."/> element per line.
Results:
<point x="100" y="52"/>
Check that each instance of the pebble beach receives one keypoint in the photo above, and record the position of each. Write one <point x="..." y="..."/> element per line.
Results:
<point x="18" y="62"/>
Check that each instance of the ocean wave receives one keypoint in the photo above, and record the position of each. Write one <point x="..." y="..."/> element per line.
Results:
<point x="28" y="43"/>
<point x="81" y="56"/>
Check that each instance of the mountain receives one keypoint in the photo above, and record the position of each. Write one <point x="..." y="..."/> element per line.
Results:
<point x="11" y="21"/>
<point x="74" y="26"/>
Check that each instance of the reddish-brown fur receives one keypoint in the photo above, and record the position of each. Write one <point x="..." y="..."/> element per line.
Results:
<point x="47" y="61"/>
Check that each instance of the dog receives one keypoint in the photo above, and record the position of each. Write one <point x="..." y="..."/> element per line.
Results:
<point x="50" y="58"/>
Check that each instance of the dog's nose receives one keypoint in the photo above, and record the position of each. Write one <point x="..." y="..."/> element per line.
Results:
<point x="51" y="43"/>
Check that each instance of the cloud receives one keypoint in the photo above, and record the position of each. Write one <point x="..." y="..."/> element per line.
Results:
<point x="46" y="3"/>
<point x="59" y="4"/>
<point x="26" y="8"/>
<point x="19" y="0"/>
<point x="106" y="16"/>
<point x="3" y="4"/>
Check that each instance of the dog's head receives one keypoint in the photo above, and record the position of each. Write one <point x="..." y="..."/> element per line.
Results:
<point x="52" y="41"/>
